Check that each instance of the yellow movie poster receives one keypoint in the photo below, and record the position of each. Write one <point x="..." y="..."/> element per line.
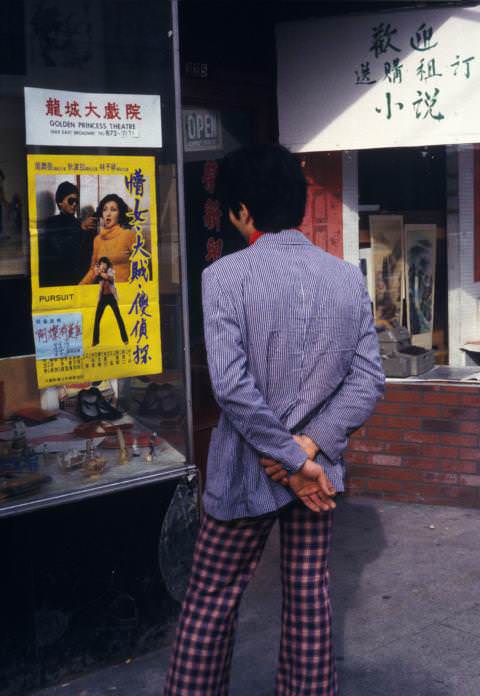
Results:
<point x="94" y="267"/>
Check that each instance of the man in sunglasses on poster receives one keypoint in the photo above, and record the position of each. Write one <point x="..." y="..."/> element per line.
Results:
<point x="65" y="242"/>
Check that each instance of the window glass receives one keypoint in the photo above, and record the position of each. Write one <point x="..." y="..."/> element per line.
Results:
<point x="402" y="236"/>
<point x="92" y="390"/>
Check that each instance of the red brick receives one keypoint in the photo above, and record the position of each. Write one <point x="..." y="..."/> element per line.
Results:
<point x="376" y="421"/>
<point x="424" y="490"/>
<point x="402" y="474"/>
<point x="376" y="494"/>
<point x="437" y="451"/>
<point x="407" y="396"/>
<point x="386" y="473"/>
<point x="424" y="411"/>
<point x="408" y="450"/>
<point x="457" y="466"/>
<point x="461" y="413"/>
<point x="471" y="400"/>
<point x="470" y="480"/>
<point x="356" y="484"/>
<point x="421" y="463"/>
<point x="355" y="457"/>
<point x="403" y="422"/>
<point x="436" y="464"/>
<point x="385" y="460"/>
<point x="446" y="388"/>
<point x="390" y="408"/>
<point x="413" y="436"/>
<point x="362" y="471"/>
<point x="439" y="477"/>
<point x="471" y="454"/>
<point x="378" y="485"/>
<point x="470" y="427"/>
<point x="384" y="434"/>
<point x="366" y="446"/>
<point x="463" y="496"/>
<point x="358" y="434"/>
<point x="441" y="398"/>
<point x="441" y="426"/>
<point x="400" y="497"/>
<point x="459" y="440"/>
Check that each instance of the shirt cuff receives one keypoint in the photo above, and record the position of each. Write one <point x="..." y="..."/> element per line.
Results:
<point x="327" y="446"/>
<point x="293" y="457"/>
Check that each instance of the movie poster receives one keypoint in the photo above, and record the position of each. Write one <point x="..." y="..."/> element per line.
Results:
<point x="94" y="267"/>
<point x="386" y="234"/>
<point x="421" y="243"/>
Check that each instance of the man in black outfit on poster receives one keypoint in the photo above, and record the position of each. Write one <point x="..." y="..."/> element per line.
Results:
<point x="64" y="243"/>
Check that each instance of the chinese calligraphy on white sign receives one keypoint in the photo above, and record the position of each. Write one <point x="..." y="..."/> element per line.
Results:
<point x="380" y="80"/>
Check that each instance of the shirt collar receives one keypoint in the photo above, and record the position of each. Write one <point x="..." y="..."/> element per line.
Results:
<point x="283" y="237"/>
<point x="254" y="237"/>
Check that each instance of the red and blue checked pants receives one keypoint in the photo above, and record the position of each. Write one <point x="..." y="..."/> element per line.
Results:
<point x="225" y="559"/>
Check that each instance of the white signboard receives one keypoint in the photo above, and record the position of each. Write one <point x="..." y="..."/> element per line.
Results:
<point x="76" y="119"/>
<point x="202" y="130"/>
<point x="380" y="80"/>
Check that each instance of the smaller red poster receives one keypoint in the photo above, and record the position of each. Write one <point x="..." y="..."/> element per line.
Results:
<point x="323" y="221"/>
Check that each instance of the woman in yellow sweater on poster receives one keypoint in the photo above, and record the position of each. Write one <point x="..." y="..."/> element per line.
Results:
<point x="115" y="239"/>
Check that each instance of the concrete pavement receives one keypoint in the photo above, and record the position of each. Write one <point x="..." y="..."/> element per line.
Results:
<point x="406" y="601"/>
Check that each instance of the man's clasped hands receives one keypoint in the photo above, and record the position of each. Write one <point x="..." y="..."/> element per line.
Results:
<point x="309" y="483"/>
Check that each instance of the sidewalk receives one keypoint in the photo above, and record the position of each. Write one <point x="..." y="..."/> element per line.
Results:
<point x="406" y="600"/>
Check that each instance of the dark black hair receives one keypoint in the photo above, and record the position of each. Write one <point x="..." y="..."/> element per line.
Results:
<point x="123" y="208"/>
<point x="66" y="188"/>
<point x="105" y="259"/>
<point x="269" y="181"/>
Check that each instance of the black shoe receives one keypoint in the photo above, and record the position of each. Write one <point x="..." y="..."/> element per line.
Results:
<point x="93" y="406"/>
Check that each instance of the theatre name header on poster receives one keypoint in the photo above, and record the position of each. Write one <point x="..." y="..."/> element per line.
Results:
<point x="58" y="117"/>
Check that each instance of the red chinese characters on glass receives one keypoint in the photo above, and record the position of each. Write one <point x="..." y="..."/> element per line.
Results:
<point x="209" y="176"/>
<point x="214" y="249"/>
<point x="212" y="215"/>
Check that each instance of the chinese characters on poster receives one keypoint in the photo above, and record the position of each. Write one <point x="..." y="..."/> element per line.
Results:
<point x="94" y="267"/>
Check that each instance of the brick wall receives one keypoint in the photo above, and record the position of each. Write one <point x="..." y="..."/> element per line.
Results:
<point x="421" y="445"/>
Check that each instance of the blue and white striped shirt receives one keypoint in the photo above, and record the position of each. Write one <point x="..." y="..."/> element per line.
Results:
<point x="291" y="348"/>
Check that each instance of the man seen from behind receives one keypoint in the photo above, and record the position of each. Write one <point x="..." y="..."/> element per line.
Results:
<point x="295" y="368"/>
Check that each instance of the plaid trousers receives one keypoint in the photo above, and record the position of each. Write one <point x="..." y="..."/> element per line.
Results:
<point x="225" y="559"/>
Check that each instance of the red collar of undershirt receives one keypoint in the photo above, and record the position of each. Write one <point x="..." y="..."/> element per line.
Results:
<point x="254" y="236"/>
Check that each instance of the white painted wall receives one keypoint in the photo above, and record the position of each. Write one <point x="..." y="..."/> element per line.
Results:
<point x="350" y="206"/>
<point x="463" y="291"/>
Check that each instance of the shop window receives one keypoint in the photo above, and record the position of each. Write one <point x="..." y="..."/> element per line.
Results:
<point x="92" y="381"/>
<point x="402" y="239"/>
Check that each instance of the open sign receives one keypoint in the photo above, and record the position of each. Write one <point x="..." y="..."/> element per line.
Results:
<point x="202" y="130"/>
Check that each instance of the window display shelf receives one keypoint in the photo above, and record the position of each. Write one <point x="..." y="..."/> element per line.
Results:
<point x="464" y="376"/>
<point x="64" y="459"/>
<point x="60" y="487"/>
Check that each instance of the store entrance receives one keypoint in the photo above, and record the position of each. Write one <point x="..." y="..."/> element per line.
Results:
<point x="228" y="101"/>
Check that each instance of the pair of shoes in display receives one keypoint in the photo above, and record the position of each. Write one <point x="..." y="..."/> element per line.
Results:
<point x="92" y="406"/>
